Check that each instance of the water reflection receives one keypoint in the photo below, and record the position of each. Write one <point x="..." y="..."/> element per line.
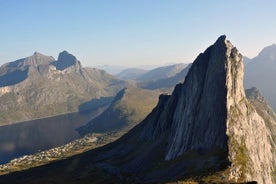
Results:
<point x="38" y="135"/>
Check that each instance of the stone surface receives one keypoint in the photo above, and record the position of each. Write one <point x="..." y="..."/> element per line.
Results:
<point x="40" y="86"/>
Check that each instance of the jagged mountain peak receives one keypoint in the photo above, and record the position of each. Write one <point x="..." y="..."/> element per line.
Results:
<point x="65" y="60"/>
<point x="36" y="53"/>
<point x="65" y="54"/>
<point x="40" y="58"/>
<point x="209" y="117"/>
<point x="268" y="53"/>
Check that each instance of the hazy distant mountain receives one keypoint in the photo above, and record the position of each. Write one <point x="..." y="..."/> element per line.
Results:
<point x="153" y="74"/>
<point x="206" y="131"/>
<point x="246" y="60"/>
<point x="129" y="107"/>
<point x="40" y="86"/>
<point x="112" y="69"/>
<point x="261" y="72"/>
<point x="168" y="82"/>
<point x="163" y="72"/>
<point x="131" y="73"/>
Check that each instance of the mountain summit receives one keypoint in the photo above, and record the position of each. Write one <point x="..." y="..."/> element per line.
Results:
<point x="206" y="124"/>
<point x="66" y="60"/>
<point x="39" y="86"/>
<point x="206" y="127"/>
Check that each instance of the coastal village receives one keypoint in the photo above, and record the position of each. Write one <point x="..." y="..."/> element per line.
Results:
<point x="83" y="144"/>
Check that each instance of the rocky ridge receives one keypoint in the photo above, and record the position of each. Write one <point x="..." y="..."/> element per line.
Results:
<point x="40" y="86"/>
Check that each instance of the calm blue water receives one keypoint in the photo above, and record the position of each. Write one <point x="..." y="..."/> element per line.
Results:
<point x="30" y="137"/>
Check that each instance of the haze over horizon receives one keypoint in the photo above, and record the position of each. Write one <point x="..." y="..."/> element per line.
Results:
<point x="132" y="32"/>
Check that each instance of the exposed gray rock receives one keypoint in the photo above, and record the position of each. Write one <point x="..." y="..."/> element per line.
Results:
<point x="212" y="113"/>
<point x="66" y="60"/>
<point x="39" y="86"/>
<point x="206" y="125"/>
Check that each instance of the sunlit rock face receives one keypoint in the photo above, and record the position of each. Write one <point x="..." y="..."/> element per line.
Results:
<point x="211" y="113"/>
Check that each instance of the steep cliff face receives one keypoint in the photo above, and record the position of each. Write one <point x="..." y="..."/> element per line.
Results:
<point x="211" y="114"/>
<point x="250" y="151"/>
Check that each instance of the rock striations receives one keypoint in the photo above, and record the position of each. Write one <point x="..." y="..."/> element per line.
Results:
<point x="206" y="127"/>
<point x="212" y="115"/>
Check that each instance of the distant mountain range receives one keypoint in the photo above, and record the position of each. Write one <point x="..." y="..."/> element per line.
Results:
<point x="131" y="73"/>
<point x="152" y="75"/>
<point x="261" y="73"/>
<point x="168" y="82"/>
<point x="116" y="69"/>
<point x="40" y="86"/>
<point x="209" y="130"/>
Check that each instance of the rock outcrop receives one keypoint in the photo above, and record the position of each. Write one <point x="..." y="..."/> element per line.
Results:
<point x="212" y="114"/>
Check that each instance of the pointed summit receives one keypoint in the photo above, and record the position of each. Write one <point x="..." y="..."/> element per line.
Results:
<point x="206" y="124"/>
<point x="65" y="60"/>
<point x="267" y="54"/>
<point x="38" y="59"/>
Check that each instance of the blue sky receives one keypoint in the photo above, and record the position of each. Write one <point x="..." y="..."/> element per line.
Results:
<point x="132" y="32"/>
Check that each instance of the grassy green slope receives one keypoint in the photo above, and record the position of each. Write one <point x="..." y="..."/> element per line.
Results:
<point x="129" y="107"/>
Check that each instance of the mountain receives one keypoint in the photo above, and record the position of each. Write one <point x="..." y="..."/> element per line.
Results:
<point x="262" y="107"/>
<point x="246" y="60"/>
<point x="163" y="72"/>
<point x="260" y="71"/>
<point x="155" y="74"/>
<point x="40" y="86"/>
<point x="206" y="131"/>
<point x="131" y="73"/>
<point x="168" y="82"/>
<point x="116" y="69"/>
<point x="129" y="107"/>
<point x="112" y="69"/>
